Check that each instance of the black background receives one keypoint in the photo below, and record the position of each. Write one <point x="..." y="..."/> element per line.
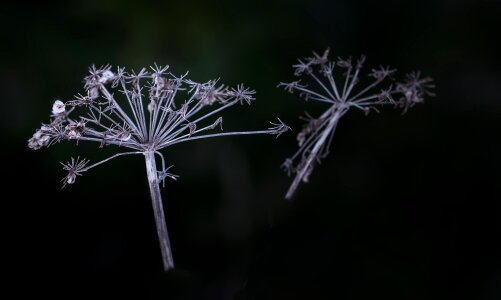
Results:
<point x="405" y="207"/>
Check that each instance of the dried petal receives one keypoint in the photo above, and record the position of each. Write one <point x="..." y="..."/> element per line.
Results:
<point x="106" y="77"/>
<point x="58" y="107"/>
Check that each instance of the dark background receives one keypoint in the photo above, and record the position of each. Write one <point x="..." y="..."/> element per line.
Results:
<point x="405" y="207"/>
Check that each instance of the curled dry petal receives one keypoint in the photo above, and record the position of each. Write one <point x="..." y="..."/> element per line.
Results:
<point x="58" y="107"/>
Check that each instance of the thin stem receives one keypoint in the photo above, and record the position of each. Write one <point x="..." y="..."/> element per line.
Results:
<point x="122" y="114"/>
<point x="132" y="104"/>
<point x="167" y="136"/>
<point x="333" y="82"/>
<point x="314" y="153"/>
<point x="156" y="199"/>
<point x="365" y="90"/>
<point x="230" y="103"/>
<point x="109" y="158"/>
<point x="182" y="139"/>
<point x="311" y="137"/>
<point x="307" y="91"/>
<point x="347" y="78"/>
<point x="352" y="83"/>
<point x="323" y="86"/>
<point x="111" y="142"/>
<point x="165" y="112"/>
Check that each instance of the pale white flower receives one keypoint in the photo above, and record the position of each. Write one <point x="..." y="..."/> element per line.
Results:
<point x="58" y="107"/>
<point x="106" y="77"/>
<point x="39" y="139"/>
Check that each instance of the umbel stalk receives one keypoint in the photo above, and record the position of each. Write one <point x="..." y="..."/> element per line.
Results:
<point x="158" y="211"/>
<point x="314" y="154"/>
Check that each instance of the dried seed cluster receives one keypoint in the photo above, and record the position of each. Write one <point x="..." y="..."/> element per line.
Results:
<point x="323" y="85"/>
<point x="144" y="111"/>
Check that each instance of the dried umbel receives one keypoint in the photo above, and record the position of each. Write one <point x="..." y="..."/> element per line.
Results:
<point x="144" y="112"/>
<point x="341" y="92"/>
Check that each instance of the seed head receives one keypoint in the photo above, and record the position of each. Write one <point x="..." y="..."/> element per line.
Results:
<point x="341" y="94"/>
<point x="58" y="107"/>
<point x="145" y="111"/>
<point x="75" y="167"/>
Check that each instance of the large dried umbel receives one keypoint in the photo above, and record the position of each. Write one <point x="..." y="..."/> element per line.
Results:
<point x="321" y="83"/>
<point x="145" y="112"/>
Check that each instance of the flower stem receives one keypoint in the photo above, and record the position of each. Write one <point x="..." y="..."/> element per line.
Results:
<point x="331" y="126"/>
<point x="156" y="198"/>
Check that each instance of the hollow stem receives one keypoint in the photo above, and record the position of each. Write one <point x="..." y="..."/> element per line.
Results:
<point x="156" y="199"/>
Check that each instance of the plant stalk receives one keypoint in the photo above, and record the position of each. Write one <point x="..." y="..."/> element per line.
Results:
<point x="331" y="126"/>
<point x="156" y="199"/>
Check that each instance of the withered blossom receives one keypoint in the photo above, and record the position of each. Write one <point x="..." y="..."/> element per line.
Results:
<point x="320" y="83"/>
<point x="145" y="112"/>
<point x="58" y="107"/>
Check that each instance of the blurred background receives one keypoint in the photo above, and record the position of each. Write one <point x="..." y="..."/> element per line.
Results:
<point x="405" y="207"/>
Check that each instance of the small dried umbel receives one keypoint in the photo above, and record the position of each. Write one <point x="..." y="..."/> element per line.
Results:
<point x="144" y="112"/>
<point x="341" y="94"/>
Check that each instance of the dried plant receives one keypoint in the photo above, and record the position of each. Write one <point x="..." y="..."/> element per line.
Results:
<point x="316" y="136"/>
<point x="139" y="111"/>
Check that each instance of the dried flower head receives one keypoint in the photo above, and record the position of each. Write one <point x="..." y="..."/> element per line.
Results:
<point x="75" y="168"/>
<point x="144" y="111"/>
<point x="58" y="107"/>
<point x="342" y="94"/>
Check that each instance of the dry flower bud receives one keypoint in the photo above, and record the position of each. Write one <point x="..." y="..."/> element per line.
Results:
<point x="151" y="106"/>
<point x="70" y="179"/>
<point x="58" y="107"/>
<point x="93" y="92"/>
<point x="106" y="77"/>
